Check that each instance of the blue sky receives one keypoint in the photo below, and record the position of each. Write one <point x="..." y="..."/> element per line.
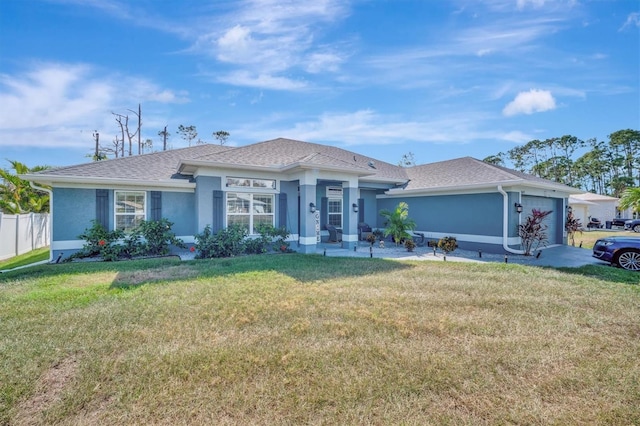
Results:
<point x="441" y="79"/>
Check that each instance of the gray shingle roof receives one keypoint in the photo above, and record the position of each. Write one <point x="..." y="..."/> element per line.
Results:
<point x="468" y="171"/>
<point x="281" y="152"/>
<point x="157" y="166"/>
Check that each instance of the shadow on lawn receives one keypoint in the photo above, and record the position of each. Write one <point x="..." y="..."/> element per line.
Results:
<point x="302" y="268"/>
<point x="605" y="273"/>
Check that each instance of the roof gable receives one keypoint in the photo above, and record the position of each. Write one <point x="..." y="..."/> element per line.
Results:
<point x="284" y="153"/>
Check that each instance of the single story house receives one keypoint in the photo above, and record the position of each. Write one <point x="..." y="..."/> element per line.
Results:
<point x="302" y="186"/>
<point x="602" y="207"/>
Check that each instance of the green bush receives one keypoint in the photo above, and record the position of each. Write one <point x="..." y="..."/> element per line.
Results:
<point x="149" y="238"/>
<point x="447" y="244"/>
<point x="153" y="237"/>
<point x="226" y="243"/>
<point x="234" y="241"/>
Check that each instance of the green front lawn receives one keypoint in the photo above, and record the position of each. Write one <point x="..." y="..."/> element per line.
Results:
<point x="290" y="339"/>
<point x="33" y="256"/>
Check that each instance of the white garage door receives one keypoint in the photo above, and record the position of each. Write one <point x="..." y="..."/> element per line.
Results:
<point x="544" y="204"/>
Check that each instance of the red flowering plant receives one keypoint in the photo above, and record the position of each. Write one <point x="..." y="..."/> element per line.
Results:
<point x="533" y="231"/>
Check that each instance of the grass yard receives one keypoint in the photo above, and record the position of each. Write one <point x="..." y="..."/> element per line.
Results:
<point x="289" y="339"/>
<point x="589" y="238"/>
<point x="25" y="259"/>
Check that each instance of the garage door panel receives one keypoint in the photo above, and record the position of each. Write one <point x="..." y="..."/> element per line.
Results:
<point x="544" y="204"/>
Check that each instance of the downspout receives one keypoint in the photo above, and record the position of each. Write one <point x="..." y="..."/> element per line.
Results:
<point x="50" y="192"/>
<point x="505" y="222"/>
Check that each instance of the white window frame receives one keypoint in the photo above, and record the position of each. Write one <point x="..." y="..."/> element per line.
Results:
<point x="331" y="213"/>
<point x="136" y="221"/>
<point x="251" y="208"/>
<point x="255" y="183"/>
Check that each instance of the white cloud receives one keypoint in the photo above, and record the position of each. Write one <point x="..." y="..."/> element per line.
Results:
<point x="265" y="39"/>
<point x="51" y="104"/>
<point x="521" y="4"/>
<point x="322" y="62"/>
<point x="369" y="127"/>
<point x="530" y="102"/>
<point x="262" y="81"/>
<point x="633" y="20"/>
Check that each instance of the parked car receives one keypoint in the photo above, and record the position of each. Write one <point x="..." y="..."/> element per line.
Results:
<point x="617" y="221"/>
<point x="621" y="251"/>
<point x="632" y="225"/>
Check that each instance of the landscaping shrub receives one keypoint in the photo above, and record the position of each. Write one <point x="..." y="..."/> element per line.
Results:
<point x="149" y="238"/>
<point x="233" y="241"/>
<point x="226" y="243"/>
<point x="448" y="244"/>
<point x="533" y="231"/>
<point x="153" y="237"/>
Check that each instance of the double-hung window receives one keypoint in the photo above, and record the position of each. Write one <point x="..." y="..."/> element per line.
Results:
<point x="253" y="207"/>
<point x="335" y="212"/>
<point x="250" y="210"/>
<point x="130" y="209"/>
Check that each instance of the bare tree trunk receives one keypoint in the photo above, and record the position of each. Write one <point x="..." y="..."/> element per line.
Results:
<point x="164" y="139"/>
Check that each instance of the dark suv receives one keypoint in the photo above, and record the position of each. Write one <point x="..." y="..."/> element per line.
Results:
<point x="632" y="225"/>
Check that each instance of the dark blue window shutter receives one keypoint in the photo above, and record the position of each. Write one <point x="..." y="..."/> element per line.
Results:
<point x="156" y="205"/>
<point x="324" y="212"/>
<point x="282" y="209"/>
<point x="218" y="211"/>
<point x="360" y="210"/>
<point x="102" y="207"/>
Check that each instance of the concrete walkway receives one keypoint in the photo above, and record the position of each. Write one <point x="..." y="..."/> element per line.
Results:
<point x="554" y="256"/>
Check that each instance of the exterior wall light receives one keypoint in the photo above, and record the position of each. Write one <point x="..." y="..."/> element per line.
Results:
<point x="355" y="207"/>
<point x="312" y="207"/>
<point x="518" y="208"/>
<point x="569" y="209"/>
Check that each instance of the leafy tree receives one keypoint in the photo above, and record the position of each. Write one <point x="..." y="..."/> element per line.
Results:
<point x="17" y="196"/>
<point x="628" y="143"/>
<point x="407" y="160"/>
<point x="496" y="160"/>
<point x="221" y="136"/>
<point x="188" y="133"/>
<point x="398" y="222"/>
<point x="630" y="199"/>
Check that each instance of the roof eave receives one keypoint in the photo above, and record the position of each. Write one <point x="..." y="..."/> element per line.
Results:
<point x="490" y="185"/>
<point x="312" y="166"/>
<point x="52" y="180"/>
<point x="189" y="167"/>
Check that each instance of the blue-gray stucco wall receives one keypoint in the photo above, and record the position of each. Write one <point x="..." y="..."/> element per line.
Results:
<point x="205" y="185"/>
<point x="291" y="189"/>
<point x="476" y="214"/>
<point x="73" y="211"/>
<point x="178" y="207"/>
<point x="370" y="207"/>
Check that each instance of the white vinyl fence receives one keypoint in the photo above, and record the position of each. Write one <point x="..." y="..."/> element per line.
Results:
<point x="21" y="233"/>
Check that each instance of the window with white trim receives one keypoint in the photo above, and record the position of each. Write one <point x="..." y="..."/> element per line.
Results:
<point x="334" y="212"/>
<point x="130" y="209"/>
<point x="250" y="210"/>
<point x="240" y="182"/>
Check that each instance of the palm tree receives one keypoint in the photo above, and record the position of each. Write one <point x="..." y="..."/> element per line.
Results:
<point x="398" y="222"/>
<point x="16" y="195"/>
<point x="630" y="199"/>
